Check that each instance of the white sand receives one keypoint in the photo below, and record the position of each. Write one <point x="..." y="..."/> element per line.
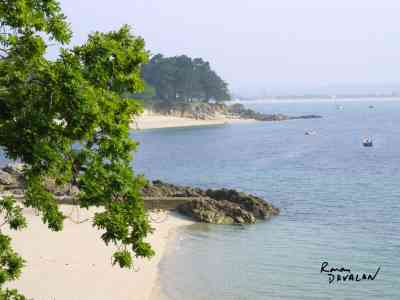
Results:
<point x="76" y="264"/>
<point x="161" y="121"/>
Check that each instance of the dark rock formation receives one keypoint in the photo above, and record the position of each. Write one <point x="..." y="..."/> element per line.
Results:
<point x="253" y="204"/>
<point x="157" y="188"/>
<point x="14" y="169"/>
<point x="220" y="206"/>
<point x="306" y="117"/>
<point x="194" y="110"/>
<point x="11" y="179"/>
<point x="245" y="113"/>
<point x="216" y="212"/>
<point x="239" y="110"/>
<point x="6" y="178"/>
<point x="12" y="183"/>
<point x="204" y="111"/>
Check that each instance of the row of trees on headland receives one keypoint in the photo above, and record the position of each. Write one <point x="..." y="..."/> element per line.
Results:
<point x="181" y="79"/>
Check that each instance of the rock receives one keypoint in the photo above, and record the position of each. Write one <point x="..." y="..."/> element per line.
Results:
<point x="15" y="169"/>
<point x="12" y="181"/>
<point x="157" y="188"/>
<point x="14" y="172"/>
<point x="255" y="205"/>
<point x="239" y="110"/>
<point x="208" y="111"/>
<point x="220" y="206"/>
<point x="195" y="110"/>
<point x="7" y="179"/>
<point x="216" y="212"/>
<point x="306" y="117"/>
<point x="58" y="190"/>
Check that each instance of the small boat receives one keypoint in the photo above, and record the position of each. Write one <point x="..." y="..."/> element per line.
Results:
<point x="371" y="106"/>
<point x="310" y="132"/>
<point x="367" y="142"/>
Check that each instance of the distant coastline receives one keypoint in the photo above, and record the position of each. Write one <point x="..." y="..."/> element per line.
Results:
<point x="313" y="99"/>
<point x="320" y="97"/>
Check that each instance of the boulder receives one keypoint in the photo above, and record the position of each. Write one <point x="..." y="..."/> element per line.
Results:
<point x="216" y="212"/>
<point x="253" y="204"/>
<point x="7" y="178"/>
<point x="12" y="180"/>
<point x="15" y="169"/>
<point x="240" y="110"/>
<point x="219" y="206"/>
<point x="158" y="188"/>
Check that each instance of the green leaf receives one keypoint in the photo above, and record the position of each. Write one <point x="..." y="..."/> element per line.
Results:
<point x="68" y="120"/>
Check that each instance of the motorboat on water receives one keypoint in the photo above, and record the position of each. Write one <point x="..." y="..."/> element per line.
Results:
<point x="367" y="142"/>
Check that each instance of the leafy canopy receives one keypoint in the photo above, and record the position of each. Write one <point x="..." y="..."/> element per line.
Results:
<point x="67" y="119"/>
<point x="181" y="78"/>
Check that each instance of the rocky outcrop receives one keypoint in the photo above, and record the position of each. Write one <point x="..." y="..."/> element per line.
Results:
<point x="258" y="207"/>
<point x="305" y="117"/>
<point x="14" y="169"/>
<point x="6" y="178"/>
<point x="195" y="110"/>
<point x="216" y="212"/>
<point x="12" y="183"/>
<point x="245" y="113"/>
<point x="158" y="188"/>
<point x="219" y="206"/>
<point x="209" y="111"/>
<point x="11" y="179"/>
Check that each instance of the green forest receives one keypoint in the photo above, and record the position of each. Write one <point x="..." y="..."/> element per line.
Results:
<point x="181" y="79"/>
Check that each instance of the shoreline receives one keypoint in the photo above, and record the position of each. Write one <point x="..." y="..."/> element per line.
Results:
<point x="158" y="293"/>
<point x="156" y="121"/>
<point x="76" y="263"/>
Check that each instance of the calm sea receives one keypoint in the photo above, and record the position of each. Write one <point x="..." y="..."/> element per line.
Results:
<point x="339" y="203"/>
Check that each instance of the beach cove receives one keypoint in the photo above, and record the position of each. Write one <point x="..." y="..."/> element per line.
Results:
<point x="76" y="264"/>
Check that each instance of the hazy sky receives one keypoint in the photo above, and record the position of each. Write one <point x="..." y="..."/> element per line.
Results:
<point x="265" y="45"/>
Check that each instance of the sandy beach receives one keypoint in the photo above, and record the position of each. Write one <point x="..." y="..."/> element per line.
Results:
<point x="75" y="264"/>
<point x="161" y="121"/>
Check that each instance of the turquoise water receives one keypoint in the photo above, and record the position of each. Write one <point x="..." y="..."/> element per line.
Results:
<point x="339" y="203"/>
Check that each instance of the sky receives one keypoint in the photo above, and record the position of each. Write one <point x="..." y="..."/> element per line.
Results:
<point x="263" y="46"/>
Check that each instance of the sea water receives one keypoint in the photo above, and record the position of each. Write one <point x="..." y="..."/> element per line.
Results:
<point x="339" y="201"/>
